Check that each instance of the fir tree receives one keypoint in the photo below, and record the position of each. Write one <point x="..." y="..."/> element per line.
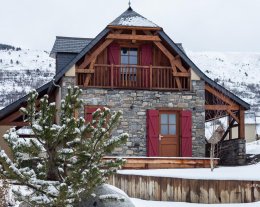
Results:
<point x="69" y="153"/>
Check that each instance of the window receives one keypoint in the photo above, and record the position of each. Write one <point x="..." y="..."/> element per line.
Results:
<point x="129" y="56"/>
<point x="168" y="124"/>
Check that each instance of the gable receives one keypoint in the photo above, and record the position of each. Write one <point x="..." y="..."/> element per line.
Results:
<point x="127" y="19"/>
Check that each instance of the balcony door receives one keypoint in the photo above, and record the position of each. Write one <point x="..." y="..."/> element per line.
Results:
<point x="128" y="70"/>
<point x="169" y="140"/>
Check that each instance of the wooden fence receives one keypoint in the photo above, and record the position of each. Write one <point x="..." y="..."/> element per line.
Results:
<point x="187" y="190"/>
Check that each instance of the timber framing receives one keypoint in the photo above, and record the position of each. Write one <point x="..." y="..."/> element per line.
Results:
<point x="133" y="37"/>
<point x="234" y="111"/>
<point x="134" y="28"/>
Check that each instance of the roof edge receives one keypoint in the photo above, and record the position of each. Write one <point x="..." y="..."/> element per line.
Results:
<point x="17" y="104"/>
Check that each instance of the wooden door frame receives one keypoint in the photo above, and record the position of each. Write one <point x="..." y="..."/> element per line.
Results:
<point x="178" y="126"/>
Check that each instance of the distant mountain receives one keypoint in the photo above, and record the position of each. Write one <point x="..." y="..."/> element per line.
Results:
<point x="24" y="69"/>
<point x="21" y="70"/>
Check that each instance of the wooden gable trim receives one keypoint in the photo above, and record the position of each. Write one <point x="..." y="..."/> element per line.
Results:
<point x="133" y="37"/>
<point x="94" y="55"/>
<point x="135" y="28"/>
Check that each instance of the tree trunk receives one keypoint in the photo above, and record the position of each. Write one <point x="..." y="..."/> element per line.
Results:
<point x="52" y="173"/>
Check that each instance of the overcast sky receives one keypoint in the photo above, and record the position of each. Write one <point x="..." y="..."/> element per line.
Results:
<point x="201" y="25"/>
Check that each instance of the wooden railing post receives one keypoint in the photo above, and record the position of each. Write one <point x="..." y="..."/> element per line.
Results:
<point x="112" y="76"/>
<point x="151" y="77"/>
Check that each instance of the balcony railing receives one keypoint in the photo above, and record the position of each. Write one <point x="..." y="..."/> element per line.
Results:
<point x="133" y="77"/>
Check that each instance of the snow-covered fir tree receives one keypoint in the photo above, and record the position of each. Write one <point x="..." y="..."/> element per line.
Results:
<point x="68" y="153"/>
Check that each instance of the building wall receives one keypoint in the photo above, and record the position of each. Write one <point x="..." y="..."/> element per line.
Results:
<point x="134" y="120"/>
<point x="250" y="132"/>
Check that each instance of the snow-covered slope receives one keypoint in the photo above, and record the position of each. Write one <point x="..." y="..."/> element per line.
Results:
<point x="238" y="72"/>
<point x="22" y="70"/>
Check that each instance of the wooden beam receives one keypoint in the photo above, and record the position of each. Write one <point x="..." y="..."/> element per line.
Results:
<point x="228" y="130"/>
<point x="95" y="53"/>
<point x="221" y="107"/>
<point x="219" y="95"/>
<point x="133" y="37"/>
<point x="174" y="70"/>
<point x="136" y="28"/>
<point x="89" y="58"/>
<point x="178" y="74"/>
<point x="178" y="64"/>
<point x="133" y="33"/>
<point x="14" y="123"/>
<point x="86" y="82"/>
<point x="233" y="115"/>
<point x="241" y="127"/>
<point x="171" y="58"/>
<point x="11" y="117"/>
<point x="85" y="71"/>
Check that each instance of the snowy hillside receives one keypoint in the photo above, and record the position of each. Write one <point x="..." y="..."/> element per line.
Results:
<point x="22" y="70"/>
<point x="239" y="72"/>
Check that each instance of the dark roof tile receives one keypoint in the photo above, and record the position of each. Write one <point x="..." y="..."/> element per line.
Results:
<point x="69" y="45"/>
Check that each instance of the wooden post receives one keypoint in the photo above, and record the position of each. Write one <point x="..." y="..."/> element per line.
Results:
<point x="230" y="130"/>
<point x="241" y="126"/>
<point x="112" y="76"/>
<point x="151" y="77"/>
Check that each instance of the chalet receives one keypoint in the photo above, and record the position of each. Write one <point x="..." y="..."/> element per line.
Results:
<point x="134" y="66"/>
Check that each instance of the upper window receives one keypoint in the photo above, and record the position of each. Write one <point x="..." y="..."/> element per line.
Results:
<point x="129" y="56"/>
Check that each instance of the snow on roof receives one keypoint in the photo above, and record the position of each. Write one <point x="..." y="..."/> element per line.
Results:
<point x="132" y="18"/>
<point x="136" y="21"/>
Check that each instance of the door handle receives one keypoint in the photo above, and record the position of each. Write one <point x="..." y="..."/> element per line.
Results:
<point x="160" y="137"/>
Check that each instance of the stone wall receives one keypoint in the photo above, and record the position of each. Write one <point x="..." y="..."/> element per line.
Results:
<point x="230" y="152"/>
<point x="134" y="104"/>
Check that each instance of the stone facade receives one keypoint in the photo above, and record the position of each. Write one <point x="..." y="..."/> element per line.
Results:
<point x="134" y="104"/>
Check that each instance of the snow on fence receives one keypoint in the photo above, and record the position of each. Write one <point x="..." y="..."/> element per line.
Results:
<point x="187" y="190"/>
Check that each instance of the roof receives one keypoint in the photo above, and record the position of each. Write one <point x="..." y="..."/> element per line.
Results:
<point x="18" y="104"/>
<point x="69" y="45"/>
<point x="132" y="18"/>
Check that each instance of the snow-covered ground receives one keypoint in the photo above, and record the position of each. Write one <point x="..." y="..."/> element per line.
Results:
<point x="250" y="172"/>
<point x="253" y="148"/>
<point x="143" y="203"/>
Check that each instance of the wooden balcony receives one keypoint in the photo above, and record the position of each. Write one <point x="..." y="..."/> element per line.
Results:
<point x="133" y="77"/>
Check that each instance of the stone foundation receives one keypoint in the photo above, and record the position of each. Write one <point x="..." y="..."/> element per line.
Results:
<point x="135" y="103"/>
<point x="231" y="152"/>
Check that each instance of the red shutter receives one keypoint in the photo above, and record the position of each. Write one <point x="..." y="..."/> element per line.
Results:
<point x="88" y="113"/>
<point x="146" y="60"/>
<point x="152" y="133"/>
<point x="186" y="135"/>
<point x="114" y="58"/>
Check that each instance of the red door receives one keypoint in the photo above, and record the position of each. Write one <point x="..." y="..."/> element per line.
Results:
<point x="169" y="140"/>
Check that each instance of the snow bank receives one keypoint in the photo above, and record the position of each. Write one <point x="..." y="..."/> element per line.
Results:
<point x="250" y="172"/>
<point x="143" y="203"/>
<point x="253" y="148"/>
